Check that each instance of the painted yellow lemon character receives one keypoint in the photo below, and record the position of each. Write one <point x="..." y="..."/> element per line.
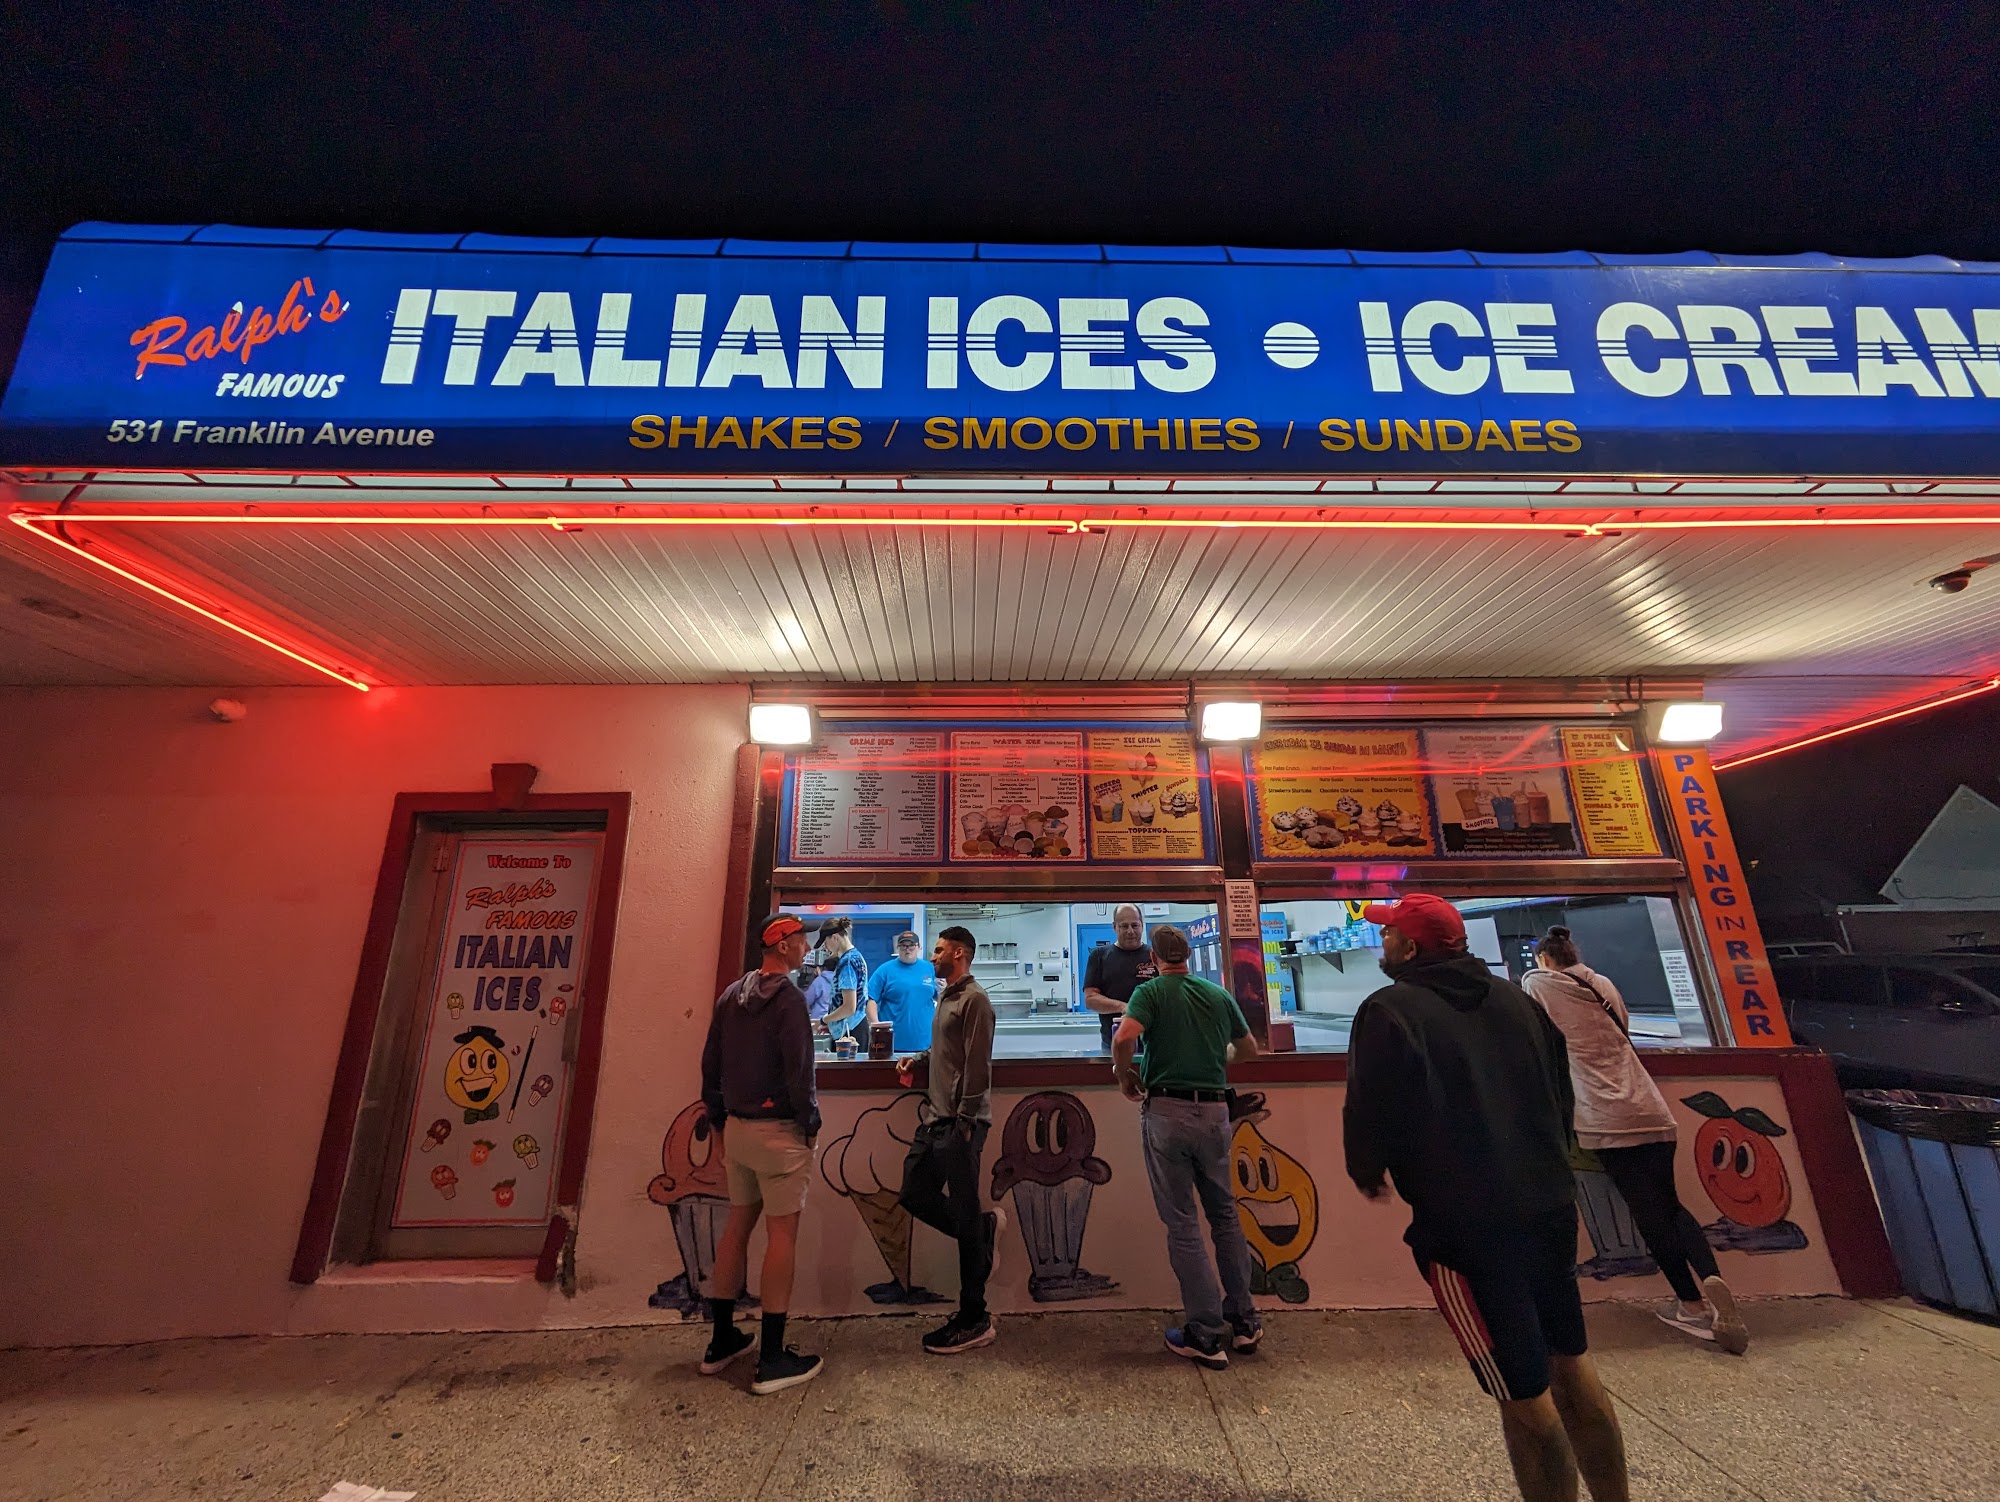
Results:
<point x="1278" y="1204"/>
<point x="476" y="1073"/>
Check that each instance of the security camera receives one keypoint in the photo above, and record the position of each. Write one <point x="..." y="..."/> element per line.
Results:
<point x="1954" y="582"/>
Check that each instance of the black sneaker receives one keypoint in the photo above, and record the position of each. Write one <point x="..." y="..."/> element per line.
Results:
<point x="724" y="1349"/>
<point x="1201" y="1352"/>
<point x="959" y="1334"/>
<point x="1245" y="1337"/>
<point x="787" y="1369"/>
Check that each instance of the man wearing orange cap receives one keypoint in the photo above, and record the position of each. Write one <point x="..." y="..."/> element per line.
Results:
<point x="1458" y="1088"/>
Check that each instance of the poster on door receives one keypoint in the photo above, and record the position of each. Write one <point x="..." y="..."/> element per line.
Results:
<point x="484" y="1124"/>
<point x="1326" y="791"/>
<point x="866" y="797"/>
<point x="1145" y="796"/>
<point x="1017" y="795"/>
<point x="1500" y="790"/>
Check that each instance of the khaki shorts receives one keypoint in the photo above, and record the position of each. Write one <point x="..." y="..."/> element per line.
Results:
<point x="768" y="1164"/>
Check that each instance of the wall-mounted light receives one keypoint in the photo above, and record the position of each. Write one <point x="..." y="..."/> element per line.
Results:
<point x="1687" y="724"/>
<point x="1225" y="721"/>
<point x="781" y="724"/>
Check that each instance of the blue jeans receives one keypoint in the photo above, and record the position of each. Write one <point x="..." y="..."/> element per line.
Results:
<point x="1187" y="1162"/>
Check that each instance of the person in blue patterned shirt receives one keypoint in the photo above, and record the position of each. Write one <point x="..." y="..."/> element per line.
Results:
<point x="842" y="962"/>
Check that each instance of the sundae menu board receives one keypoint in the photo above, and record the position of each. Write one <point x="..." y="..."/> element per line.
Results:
<point x="1611" y="810"/>
<point x="1336" y="792"/>
<point x="1016" y="795"/>
<point x="868" y="796"/>
<point x="1145" y="796"/>
<point x="1500" y="790"/>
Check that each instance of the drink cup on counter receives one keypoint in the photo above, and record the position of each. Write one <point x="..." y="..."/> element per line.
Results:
<point x="881" y="1040"/>
<point x="844" y="1047"/>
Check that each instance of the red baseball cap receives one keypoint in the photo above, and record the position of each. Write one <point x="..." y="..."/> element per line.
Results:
<point x="1427" y="921"/>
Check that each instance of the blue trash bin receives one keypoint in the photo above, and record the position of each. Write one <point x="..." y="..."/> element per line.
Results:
<point x="1936" y="1164"/>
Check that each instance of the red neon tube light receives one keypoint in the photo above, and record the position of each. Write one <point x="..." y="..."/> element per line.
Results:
<point x="1819" y="737"/>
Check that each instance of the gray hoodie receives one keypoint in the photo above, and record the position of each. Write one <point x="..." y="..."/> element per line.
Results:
<point x="1617" y="1103"/>
<point x="758" y="1062"/>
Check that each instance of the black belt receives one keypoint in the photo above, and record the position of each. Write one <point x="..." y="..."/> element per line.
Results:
<point x="1199" y="1097"/>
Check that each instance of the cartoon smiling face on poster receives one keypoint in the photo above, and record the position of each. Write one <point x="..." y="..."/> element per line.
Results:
<point x="476" y="1073"/>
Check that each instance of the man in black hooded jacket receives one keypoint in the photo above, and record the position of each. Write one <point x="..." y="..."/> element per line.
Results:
<point x="1458" y="1088"/>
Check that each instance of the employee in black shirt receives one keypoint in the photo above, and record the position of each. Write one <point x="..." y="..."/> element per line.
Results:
<point x="1115" y="971"/>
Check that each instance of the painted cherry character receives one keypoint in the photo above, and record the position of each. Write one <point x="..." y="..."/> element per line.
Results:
<point x="1736" y="1159"/>
<point x="435" y="1137"/>
<point x="503" y="1193"/>
<point x="481" y="1151"/>
<point x="445" y="1181"/>
<point x="558" y="1004"/>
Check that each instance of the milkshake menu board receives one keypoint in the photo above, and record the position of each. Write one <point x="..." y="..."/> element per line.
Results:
<point x="1017" y="795"/>
<point x="1331" y="791"/>
<point x="485" y="1120"/>
<point x="1611" y="810"/>
<point x="1500" y="790"/>
<point x="867" y="796"/>
<point x="1145" y="796"/>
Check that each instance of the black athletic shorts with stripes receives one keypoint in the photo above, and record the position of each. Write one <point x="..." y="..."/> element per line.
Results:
<point x="1510" y="1298"/>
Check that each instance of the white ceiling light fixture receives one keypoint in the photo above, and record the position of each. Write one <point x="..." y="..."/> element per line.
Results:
<point x="1688" y="723"/>
<point x="781" y="724"/>
<point x="1226" y="721"/>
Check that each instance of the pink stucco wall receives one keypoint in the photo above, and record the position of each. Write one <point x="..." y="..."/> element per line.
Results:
<point x="181" y="913"/>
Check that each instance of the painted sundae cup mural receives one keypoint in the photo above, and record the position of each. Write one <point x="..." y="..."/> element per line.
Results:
<point x="1736" y="1159"/>
<point x="1046" y="1159"/>
<point x="1278" y="1205"/>
<point x="1616" y="1248"/>
<point x="692" y="1187"/>
<point x="866" y="1166"/>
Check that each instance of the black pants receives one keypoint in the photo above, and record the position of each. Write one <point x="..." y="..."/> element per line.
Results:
<point x="1645" y="1176"/>
<point x="941" y="1189"/>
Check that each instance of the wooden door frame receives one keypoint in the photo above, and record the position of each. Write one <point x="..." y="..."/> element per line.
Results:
<point x="508" y="795"/>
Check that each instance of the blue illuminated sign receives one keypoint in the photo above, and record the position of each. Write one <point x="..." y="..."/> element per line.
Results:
<point x="217" y="349"/>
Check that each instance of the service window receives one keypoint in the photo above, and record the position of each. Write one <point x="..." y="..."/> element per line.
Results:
<point x="1324" y="959"/>
<point x="1032" y="958"/>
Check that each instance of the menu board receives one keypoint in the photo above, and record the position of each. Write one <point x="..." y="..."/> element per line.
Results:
<point x="1341" y="791"/>
<point x="1500" y="790"/>
<point x="868" y="796"/>
<point x="1016" y="795"/>
<point x="1145" y="796"/>
<point x="1612" y="814"/>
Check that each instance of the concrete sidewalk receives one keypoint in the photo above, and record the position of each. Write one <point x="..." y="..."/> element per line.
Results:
<point x="1835" y="1400"/>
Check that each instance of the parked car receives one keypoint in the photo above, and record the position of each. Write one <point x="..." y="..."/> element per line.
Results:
<point x="1921" y="1021"/>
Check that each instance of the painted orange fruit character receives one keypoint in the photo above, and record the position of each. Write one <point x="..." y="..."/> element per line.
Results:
<point x="1736" y="1159"/>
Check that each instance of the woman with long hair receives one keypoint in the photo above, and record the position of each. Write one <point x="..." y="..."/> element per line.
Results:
<point x="1622" y="1118"/>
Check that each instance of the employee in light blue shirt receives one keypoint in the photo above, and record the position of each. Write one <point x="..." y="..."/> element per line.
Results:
<point x="904" y="992"/>
<point x="840" y="960"/>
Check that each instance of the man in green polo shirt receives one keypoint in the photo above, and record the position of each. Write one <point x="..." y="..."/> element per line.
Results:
<point x="1193" y="1031"/>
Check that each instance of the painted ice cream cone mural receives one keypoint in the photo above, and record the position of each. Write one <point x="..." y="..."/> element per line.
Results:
<point x="692" y="1186"/>
<point x="866" y="1166"/>
<point x="1277" y="1203"/>
<point x="1047" y="1158"/>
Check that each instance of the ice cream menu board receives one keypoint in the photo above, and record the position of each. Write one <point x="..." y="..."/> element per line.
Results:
<point x="1145" y="796"/>
<point x="1330" y="791"/>
<point x="1500" y="790"/>
<point x="1611" y="810"/>
<point x="868" y="796"/>
<point x="1016" y="795"/>
<point x="485" y="1121"/>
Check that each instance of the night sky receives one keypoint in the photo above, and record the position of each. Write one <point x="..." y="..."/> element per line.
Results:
<point x="1868" y="130"/>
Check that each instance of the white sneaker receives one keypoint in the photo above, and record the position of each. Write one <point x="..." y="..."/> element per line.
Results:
<point x="1730" y="1331"/>
<point x="1700" y="1325"/>
<point x="999" y="1229"/>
